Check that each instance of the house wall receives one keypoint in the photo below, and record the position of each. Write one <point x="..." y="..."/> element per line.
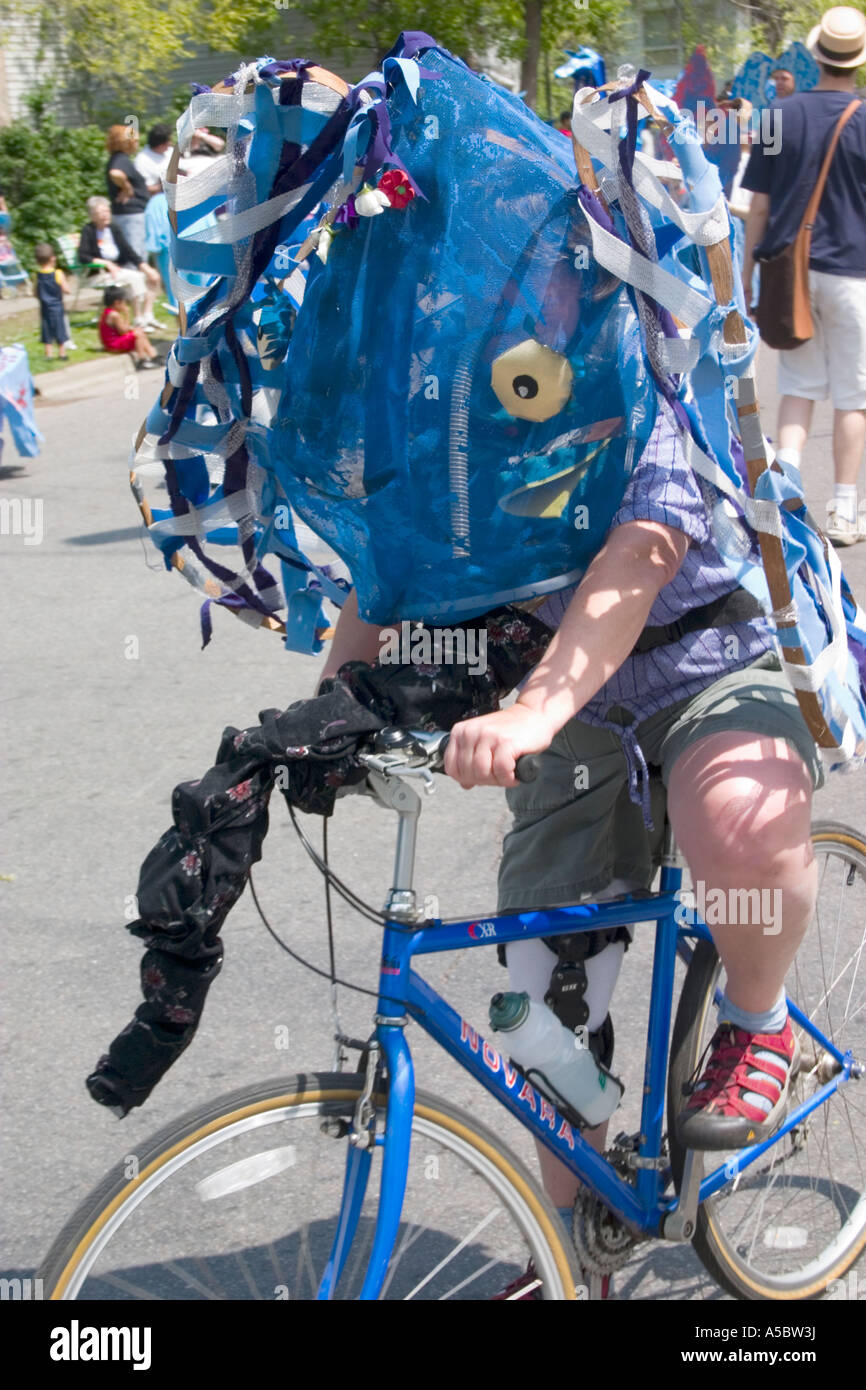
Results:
<point x="24" y="63"/>
<point x="651" y="37"/>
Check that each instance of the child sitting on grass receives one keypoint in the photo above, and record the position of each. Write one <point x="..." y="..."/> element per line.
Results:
<point x="117" y="333"/>
<point x="51" y="286"/>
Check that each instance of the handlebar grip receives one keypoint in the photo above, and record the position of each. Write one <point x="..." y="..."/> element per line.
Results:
<point x="525" y="769"/>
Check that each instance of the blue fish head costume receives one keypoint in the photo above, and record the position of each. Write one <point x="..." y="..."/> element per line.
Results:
<point x="465" y="386"/>
<point x="424" y="335"/>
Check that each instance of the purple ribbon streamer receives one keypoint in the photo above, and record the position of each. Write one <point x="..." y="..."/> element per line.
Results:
<point x="346" y="215"/>
<point x="227" y="601"/>
<point x="410" y="42"/>
<point x="292" y="65"/>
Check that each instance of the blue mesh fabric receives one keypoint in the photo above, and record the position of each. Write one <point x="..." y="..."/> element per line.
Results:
<point x="391" y="439"/>
<point x="454" y="397"/>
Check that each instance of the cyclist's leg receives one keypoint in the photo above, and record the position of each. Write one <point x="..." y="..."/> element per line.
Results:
<point x="740" y="808"/>
<point x="575" y="835"/>
<point x="740" y="766"/>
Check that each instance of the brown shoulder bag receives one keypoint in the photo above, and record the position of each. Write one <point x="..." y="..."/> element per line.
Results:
<point x="783" y="315"/>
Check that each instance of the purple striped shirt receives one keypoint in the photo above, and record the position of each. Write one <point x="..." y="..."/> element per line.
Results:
<point x="663" y="488"/>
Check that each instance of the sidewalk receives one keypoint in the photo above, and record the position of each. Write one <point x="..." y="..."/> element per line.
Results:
<point x="23" y="303"/>
<point x="73" y="383"/>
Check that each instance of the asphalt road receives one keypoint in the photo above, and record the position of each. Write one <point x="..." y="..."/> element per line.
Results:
<point x="107" y="702"/>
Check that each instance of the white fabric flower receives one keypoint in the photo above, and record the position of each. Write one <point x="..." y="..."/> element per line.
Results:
<point x="324" y="236"/>
<point x="369" y="202"/>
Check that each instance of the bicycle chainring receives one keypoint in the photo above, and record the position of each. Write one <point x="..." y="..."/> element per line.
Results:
<point x="603" y="1244"/>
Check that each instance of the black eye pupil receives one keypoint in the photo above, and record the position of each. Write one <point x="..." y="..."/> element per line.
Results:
<point x="525" y="387"/>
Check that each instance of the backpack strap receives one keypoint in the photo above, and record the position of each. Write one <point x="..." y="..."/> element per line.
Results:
<point x="739" y="606"/>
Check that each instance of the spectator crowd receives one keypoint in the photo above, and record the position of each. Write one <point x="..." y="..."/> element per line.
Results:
<point x="122" y="247"/>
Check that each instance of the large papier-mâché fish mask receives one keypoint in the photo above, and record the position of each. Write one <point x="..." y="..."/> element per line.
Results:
<point x="465" y="387"/>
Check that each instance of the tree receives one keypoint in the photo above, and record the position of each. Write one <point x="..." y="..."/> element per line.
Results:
<point x="774" y="22"/>
<point x="114" y="54"/>
<point x="523" y="29"/>
<point x="47" y="173"/>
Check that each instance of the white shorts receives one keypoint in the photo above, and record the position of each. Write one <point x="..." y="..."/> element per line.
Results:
<point x="833" y="362"/>
<point x="134" y="279"/>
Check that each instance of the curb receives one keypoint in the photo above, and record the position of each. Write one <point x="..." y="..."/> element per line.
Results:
<point x="67" y="382"/>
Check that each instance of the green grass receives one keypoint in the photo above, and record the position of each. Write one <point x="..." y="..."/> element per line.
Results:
<point x="24" y="328"/>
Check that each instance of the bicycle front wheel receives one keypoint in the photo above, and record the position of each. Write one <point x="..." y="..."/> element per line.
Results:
<point x="240" y="1200"/>
<point x="795" y="1220"/>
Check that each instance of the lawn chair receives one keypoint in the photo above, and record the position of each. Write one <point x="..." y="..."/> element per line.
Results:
<point x="14" y="279"/>
<point x="84" y="271"/>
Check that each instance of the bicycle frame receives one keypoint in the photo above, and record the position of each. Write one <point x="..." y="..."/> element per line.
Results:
<point x="644" y="1205"/>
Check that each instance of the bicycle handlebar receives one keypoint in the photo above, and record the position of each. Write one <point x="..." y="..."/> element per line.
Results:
<point x="525" y="769"/>
<point x="423" y="748"/>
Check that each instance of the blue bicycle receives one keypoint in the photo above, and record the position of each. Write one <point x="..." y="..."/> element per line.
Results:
<point x="355" y="1185"/>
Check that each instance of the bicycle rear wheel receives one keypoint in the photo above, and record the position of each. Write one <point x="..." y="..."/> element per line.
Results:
<point x="240" y="1200"/>
<point x="796" y="1219"/>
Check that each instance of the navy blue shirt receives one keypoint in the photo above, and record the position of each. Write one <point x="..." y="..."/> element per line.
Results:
<point x="806" y="122"/>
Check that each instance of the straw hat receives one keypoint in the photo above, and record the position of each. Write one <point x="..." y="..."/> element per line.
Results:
<point x="840" y="38"/>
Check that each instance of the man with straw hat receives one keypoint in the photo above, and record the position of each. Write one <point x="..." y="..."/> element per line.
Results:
<point x="833" y="361"/>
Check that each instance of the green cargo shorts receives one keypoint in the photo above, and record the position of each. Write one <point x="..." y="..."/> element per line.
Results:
<point x="575" y="827"/>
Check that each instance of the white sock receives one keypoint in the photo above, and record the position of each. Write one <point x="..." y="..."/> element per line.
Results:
<point x="846" y="500"/>
<point x="791" y="456"/>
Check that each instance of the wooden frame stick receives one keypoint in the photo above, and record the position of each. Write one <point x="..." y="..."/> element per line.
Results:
<point x="772" y="554"/>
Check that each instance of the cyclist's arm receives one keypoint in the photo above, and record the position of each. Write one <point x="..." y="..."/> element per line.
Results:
<point x="353" y="640"/>
<point x="601" y="625"/>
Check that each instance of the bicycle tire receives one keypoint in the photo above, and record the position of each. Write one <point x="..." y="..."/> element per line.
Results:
<point x="112" y="1222"/>
<point x="722" y="1252"/>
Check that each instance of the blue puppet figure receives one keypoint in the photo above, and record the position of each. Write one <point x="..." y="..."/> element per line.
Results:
<point x="486" y="381"/>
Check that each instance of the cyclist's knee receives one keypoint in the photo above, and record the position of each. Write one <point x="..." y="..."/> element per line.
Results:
<point x="741" y="804"/>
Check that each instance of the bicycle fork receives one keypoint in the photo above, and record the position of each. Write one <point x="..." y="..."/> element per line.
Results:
<point x="388" y="1045"/>
<point x="361" y="1140"/>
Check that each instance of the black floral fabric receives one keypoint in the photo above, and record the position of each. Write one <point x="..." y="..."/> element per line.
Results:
<point x="198" y="869"/>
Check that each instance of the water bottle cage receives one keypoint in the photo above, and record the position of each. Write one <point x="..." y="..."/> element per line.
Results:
<point x="565" y="1108"/>
<point x="540" y="1081"/>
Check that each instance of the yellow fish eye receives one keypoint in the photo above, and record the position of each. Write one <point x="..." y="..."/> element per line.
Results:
<point x="531" y="381"/>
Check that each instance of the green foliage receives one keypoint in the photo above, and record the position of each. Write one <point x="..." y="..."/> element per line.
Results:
<point x="772" y="25"/>
<point x="48" y="172"/>
<point x="470" y="29"/>
<point x="370" y="27"/>
<point x="116" y="52"/>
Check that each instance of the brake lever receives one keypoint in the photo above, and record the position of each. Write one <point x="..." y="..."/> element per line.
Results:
<point x="393" y="765"/>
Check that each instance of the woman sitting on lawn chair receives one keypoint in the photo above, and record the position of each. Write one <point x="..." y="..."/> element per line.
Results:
<point x="103" y="243"/>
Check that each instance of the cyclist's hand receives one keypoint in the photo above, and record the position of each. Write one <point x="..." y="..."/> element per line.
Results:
<point x="482" y="752"/>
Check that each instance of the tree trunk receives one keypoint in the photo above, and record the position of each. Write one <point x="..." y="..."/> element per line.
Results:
<point x="529" y="66"/>
<point x="772" y="21"/>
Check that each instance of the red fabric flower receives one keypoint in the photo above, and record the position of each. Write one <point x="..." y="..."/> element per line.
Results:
<point x="397" y="188"/>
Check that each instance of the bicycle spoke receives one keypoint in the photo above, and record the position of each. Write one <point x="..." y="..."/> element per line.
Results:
<point x="410" y="1235"/>
<point x="805" y="1202"/>
<point x="117" y="1281"/>
<point x="464" y="1283"/>
<point x="484" y="1222"/>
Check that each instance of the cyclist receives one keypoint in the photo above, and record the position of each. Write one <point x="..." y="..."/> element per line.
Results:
<point x="660" y="683"/>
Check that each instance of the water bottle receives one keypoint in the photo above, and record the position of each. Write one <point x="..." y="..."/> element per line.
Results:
<point x="547" y="1051"/>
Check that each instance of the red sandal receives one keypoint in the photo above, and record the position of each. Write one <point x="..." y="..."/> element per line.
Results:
<point x="741" y="1096"/>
